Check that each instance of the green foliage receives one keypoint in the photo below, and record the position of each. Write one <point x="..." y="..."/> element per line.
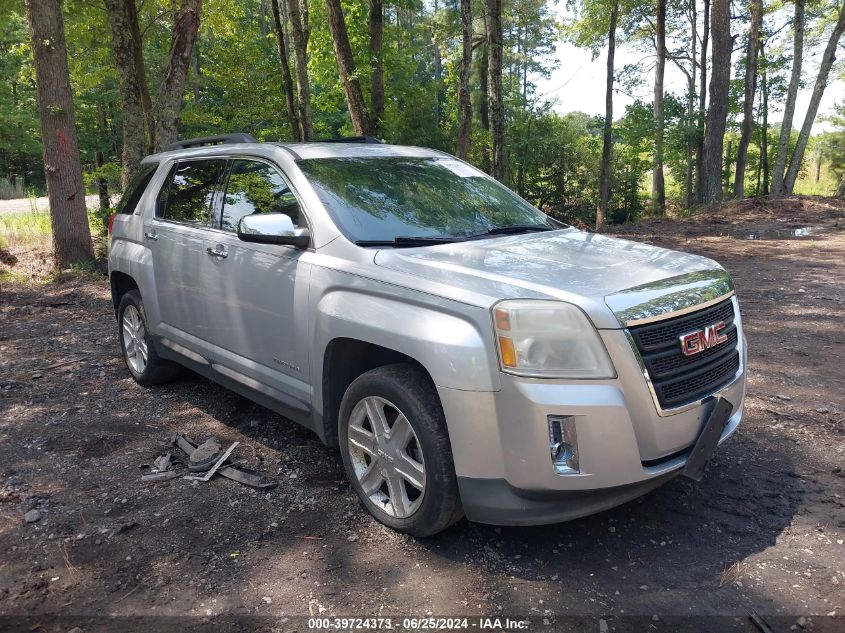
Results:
<point x="234" y="84"/>
<point x="20" y="148"/>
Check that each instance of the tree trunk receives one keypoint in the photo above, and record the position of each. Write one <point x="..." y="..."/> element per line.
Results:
<point x="484" y="93"/>
<point x="497" y="106"/>
<point x="121" y="15"/>
<point x="169" y="99"/>
<point x="464" y="101"/>
<point x="702" y="101"/>
<point x="717" y="111"/>
<point x="102" y="183"/>
<point x="756" y="9"/>
<point x="764" y="137"/>
<point x="607" y="136"/>
<point x="287" y="80"/>
<point x="376" y="26"/>
<point x="137" y="52"/>
<point x="99" y="160"/>
<point x="438" y="70"/>
<point x="197" y="73"/>
<point x="301" y="32"/>
<point x="815" y="99"/>
<point x="726" y="169"/>
<point x="346" y="68"/>
<point x="791" y="96"/>
<point x="690" y="142"/>
<point x="483" y="83"/>
<point x="62" y="166"/>
<point x="658" y="189"/>
<point x="840" y="189"/>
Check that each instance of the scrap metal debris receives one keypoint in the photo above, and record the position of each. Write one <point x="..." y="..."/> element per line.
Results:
<point x="162" y="469"/>
<point x="203" y="456"/>
<point x="207" y="458"/>
<point x="208" y="475"/>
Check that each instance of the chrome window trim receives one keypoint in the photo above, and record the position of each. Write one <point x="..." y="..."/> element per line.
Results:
<point x="261" y="159"/>
<point x="740" y="346"/>
<point x="170" y="164"/>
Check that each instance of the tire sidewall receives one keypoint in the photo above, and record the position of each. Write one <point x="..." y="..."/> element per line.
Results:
<point x="133" y="298"/>
<point x="425" y="416"/>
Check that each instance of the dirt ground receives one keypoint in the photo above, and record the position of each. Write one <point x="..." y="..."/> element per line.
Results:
<point x="762" y="532"/>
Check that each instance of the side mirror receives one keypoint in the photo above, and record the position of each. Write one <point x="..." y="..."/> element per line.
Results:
<point x="272" y="228"/>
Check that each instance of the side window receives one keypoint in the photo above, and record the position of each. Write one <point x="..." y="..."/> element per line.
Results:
<point x="129" y="200"/>
<point x="192" y="185"/>
<point x="256" y="187"/>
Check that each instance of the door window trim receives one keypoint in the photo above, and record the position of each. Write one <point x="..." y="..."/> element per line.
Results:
<point x="216" y="191"/>
<point x="303" y="212"/>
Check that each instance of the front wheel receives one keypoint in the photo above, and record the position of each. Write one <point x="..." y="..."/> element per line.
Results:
<point x="396" y="450"/>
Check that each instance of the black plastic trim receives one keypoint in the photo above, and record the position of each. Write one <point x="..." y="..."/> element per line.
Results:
<point x="218" y="139"/>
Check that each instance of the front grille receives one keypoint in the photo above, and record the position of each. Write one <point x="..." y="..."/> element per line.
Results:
<point x="677" y="379"/>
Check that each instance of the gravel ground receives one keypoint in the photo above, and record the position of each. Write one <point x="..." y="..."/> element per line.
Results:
<point x="763" y="532"/>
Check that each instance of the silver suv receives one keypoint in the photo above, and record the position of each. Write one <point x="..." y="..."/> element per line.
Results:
<point x="467" y="353"/>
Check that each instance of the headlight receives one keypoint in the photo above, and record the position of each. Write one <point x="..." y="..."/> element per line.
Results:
<point x="549" y="339"/>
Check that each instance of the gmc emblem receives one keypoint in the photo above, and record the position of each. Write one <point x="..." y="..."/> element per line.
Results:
<point x="696" y="342"/>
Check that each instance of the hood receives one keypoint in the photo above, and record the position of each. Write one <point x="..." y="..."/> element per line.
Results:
<point x="610" y="278"/>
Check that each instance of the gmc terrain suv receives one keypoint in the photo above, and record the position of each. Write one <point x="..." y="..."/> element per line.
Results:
<point x="467" y="353"/>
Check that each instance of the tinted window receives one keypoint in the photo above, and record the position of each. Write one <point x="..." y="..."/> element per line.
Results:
<point x="192" y="188"/>
<point x="376" y="198"/>
<point x="256" y="188"/>
<point x="136" y="188"/>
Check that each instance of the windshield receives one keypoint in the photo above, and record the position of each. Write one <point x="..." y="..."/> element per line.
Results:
<point x="380" y="199"/>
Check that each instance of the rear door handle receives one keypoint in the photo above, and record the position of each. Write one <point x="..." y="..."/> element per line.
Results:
<point x="218" y="251"/>
<point x="151" y="235"/>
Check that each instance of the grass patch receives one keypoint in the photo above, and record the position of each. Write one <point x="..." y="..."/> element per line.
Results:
<point x="34" y="226"/>
<point x="17" y="276"/>
<point x="24" y="228"/>
<point x="26" y="249"/>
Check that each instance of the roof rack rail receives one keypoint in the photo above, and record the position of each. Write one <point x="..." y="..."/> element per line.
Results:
<point x="352" y="139"/>
<point x="218" y="139"/>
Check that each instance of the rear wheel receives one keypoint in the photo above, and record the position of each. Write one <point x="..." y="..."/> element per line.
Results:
<point x="396" y="450"/>
<point x="139" y="353"/>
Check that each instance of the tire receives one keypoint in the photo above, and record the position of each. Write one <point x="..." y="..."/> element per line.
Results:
<point x="142" y="361"/>
<point x="385" y="472"/>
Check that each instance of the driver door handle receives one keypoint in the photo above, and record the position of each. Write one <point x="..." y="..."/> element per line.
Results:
<point x="219" y="251"/>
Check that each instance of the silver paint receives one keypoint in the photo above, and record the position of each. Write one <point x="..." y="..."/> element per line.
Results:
<point x="264" y="315"/>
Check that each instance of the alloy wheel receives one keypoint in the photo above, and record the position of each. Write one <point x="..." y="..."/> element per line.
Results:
<point x="386" y="457"/>
<point x="134" y="339"/>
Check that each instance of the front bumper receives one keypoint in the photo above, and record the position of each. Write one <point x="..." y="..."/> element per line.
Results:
<point x="500" y="442"/>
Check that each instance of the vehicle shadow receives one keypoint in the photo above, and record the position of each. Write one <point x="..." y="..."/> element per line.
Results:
<point x="671" y="551"/>
<point x="683" y="548"/>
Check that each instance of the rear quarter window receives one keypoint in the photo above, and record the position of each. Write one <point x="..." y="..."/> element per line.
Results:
<point x="137" y="186"/>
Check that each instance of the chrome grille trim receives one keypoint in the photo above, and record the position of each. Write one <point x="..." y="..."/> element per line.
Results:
<point x="739" y="349"/>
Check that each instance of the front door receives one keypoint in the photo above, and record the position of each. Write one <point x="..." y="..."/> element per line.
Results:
<point x="257" y="290"/>
<point x="176" y="236"/>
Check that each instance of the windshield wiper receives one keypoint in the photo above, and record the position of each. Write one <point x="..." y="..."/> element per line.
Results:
<point x="512" y="230"/>
<point x="430" y="240"/>
<point x="409" y="241"/>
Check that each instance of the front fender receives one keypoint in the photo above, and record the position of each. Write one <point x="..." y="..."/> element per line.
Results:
<point x="447" y="338"/>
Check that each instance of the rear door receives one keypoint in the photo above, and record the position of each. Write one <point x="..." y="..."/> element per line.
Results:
<point x="258" y="289"/>
<point x="176" y="235"/>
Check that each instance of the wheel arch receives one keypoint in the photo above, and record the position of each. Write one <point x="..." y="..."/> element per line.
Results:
<point x="344" y="360"/>
<point x="121" y="283"/>
<point x="355" y="331"/>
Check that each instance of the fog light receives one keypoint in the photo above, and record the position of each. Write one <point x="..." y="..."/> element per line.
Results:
<point x="563" y="444"/>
